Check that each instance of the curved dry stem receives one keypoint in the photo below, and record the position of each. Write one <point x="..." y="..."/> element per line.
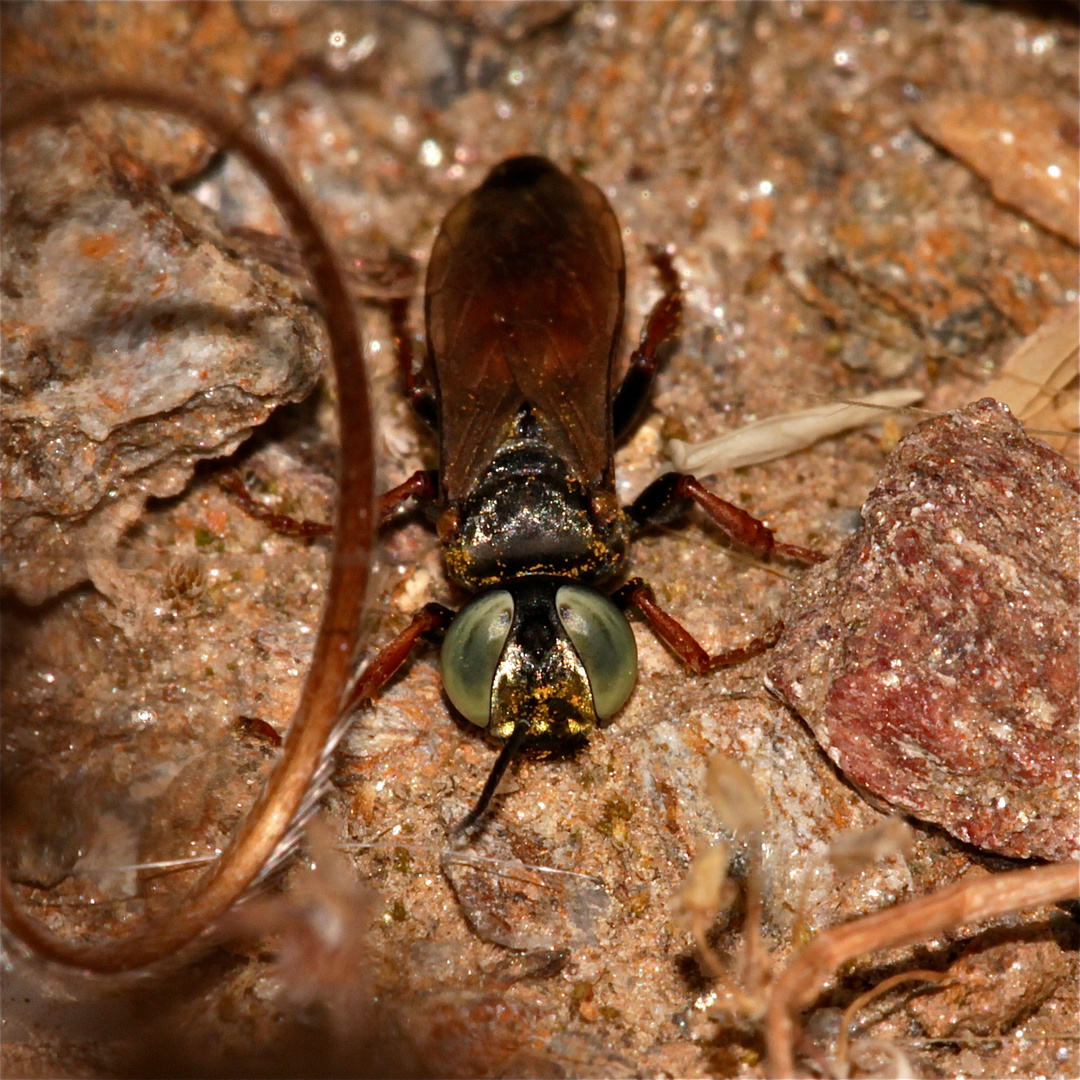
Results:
<point x="811" y="967"/>
<point x="843" y="1041"/>
<point x="269" y="820"/>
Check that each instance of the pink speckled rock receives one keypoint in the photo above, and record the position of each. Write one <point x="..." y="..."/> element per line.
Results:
<point x="935" y="656"/>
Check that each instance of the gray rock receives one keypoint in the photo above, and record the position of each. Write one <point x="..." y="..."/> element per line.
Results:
<point x="137" y="342"/>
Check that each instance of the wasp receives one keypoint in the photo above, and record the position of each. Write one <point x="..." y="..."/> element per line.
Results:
<point x="524" y="303"/>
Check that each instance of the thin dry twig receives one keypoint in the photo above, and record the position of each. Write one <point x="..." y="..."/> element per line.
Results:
<point x="860" y="1003"/>
<point x="808" y="971"/>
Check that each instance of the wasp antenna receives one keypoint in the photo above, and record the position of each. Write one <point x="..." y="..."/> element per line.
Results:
<point x="506" y="755"/>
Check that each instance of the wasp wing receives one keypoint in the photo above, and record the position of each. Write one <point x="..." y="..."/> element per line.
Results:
<point x="524" y="306"/>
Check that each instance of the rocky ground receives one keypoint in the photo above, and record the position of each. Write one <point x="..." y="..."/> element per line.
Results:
<point x="822" y="172"/>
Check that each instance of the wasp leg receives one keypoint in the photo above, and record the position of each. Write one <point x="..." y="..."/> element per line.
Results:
<point x="637" y="594"/>
<point x="423" y="486"/>
<point x="231" y="481"/>
<point x="670" y="496"/>
<point x="417" y="381"/>
<point x="660" y="327"/>
<point x="370" y="273"/>
<point x="429" y="624"/>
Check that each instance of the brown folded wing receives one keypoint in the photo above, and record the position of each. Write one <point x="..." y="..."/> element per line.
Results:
<point x="524" y="304"/>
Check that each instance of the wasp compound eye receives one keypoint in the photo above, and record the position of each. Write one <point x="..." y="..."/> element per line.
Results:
<point x="604" y="641"/>
<point x="471" y="651"/>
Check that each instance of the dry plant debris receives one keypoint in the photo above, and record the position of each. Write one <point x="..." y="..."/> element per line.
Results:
<point x="777" y="436"/>
<point x="966" y="902"/>
<point x="825" y="246"/>
<point x="294" y="784"/>
<point x="1040" y="382"/>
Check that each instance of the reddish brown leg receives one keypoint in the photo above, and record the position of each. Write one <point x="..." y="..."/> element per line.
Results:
<point x="371" y="274"/>
<point x="429" y="622"/>
<point x="231" y="481"/>
<point x="636" y="593"/>
<point x="669" y="497"/>
<point x="741" y="526"/>
<point x="423" y="486"/>
<point x="418" y="386"/>
<point x="660" y="327"/>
